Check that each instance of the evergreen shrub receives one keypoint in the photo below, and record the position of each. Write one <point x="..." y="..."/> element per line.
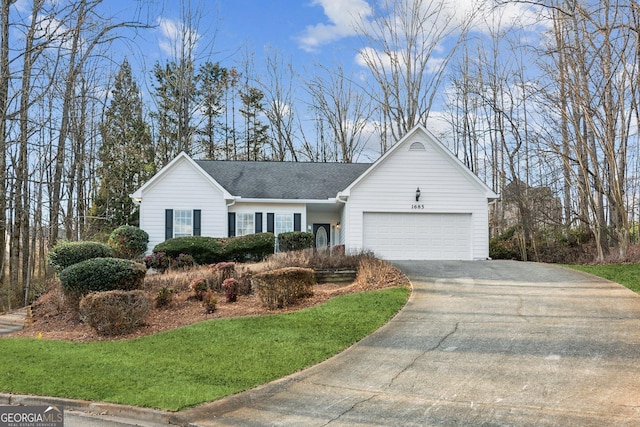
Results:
<point x="252" y="247"/>
<point x="66" y="254"/>
<point x="128" y="242"/>
<point x="295" y="241"/>
<point x="102" y="274"/>
<point x="208" y="250"/>
<point x="204" y="250"/>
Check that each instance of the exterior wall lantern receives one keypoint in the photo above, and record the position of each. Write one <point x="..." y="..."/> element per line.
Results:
<point x="418" y="194"/>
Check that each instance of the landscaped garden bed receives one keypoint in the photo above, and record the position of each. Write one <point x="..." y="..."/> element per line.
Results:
<point x="52" y="319"/>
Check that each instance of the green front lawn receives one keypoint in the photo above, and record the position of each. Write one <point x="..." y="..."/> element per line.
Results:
<point x="625" y="274"/>
<point x="198" y="363"/>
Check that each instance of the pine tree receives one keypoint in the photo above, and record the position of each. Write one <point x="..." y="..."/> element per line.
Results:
<point x="177" y="103"/>
<point x="256" y="132"/>
<point x="213" y="83"/>
<point x="126" y="155"/>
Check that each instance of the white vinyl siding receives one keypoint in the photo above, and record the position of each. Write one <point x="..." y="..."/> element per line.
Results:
<point x="244" y="224"/>
<point x="182" y="187"/>
<point x="182" y="223"/>
<point x="446" y="189"/>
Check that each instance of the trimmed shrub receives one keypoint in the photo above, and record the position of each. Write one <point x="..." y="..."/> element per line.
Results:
<point x="164" y="297"/>
<point x="230" y="287"/>
<point x="209" y="301"/>
<point x="198" y="288"/>
<point x="252" y="247"/>
<point x="244" y="283"/>
<point x="115" y="312"/>
<point x="183" y="261"/>
<point x="221" y="272"/>
<point x="159" y="261"/>
<point x="66" y="254"/>
<point x="128" y="242"/>
<point x="207" y="250"/>
<point x="319" y="260"/>
<point x="295" y="241"/>
<point x="102" y="274"/>
<point x="204" y="250"/>
<point x="283" y="287"/>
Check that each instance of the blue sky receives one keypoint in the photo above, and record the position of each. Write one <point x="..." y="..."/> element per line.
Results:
<point x="305" y="33"/>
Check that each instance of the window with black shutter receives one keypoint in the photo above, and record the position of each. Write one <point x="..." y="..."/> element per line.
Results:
<point x="270" y="222"/>
<point x="232" y="224"/>
<point x="297" y="222"/>
<point x="258" y="222"/>
<point x="197" y="217"/>
<point x="168" y="224"/>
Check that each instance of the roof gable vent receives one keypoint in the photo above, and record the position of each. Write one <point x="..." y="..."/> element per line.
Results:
<point x="417" y="146"/>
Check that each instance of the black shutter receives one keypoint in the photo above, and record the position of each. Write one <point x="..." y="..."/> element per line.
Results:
<point x="197" y="216"/>
<point x="270" y="222"/>
<point x="168" y="224"/>
<point x="297" y="222"/>
<point x="257" y="225"/>
<point x="232" y="224"/>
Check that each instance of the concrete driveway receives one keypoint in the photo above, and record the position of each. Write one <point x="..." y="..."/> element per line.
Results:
<point x="491" y="343"/>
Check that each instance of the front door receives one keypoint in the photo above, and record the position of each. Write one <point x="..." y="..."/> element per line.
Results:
<point x="322" y="235"/>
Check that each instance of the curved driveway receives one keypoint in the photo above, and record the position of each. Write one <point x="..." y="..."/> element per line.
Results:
<point x="479" y="343"/>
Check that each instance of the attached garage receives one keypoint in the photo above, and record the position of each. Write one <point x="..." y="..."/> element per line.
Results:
<point x="433" y="236"/>
<point x="417" y="201"/>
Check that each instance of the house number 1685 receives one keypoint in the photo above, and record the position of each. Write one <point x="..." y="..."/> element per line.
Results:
<point x="417" y="206"/>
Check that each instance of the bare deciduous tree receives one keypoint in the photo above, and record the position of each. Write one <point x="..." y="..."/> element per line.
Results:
<point x="344" y="109"/>
<point x="402" y="43"/>
<point x="279" y="100"/>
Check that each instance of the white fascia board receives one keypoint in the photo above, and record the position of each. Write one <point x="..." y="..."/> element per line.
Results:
<point x="137" y="195"/>
<point x="331" y="201"/>
<point x="343" y="196"/>
<point x="490" y="194"/>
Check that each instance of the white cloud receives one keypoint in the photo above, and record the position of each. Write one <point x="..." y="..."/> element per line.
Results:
<point x="506" y="15"/>
<point x="174" y="37"/>
<point x="344" y="17"/>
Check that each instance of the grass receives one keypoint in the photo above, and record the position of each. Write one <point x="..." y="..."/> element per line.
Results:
<point x="198" y="363"/>
<point x="624" y="274"/>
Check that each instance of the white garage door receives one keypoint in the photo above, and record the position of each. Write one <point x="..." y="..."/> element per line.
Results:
<point x="418" y="235"/>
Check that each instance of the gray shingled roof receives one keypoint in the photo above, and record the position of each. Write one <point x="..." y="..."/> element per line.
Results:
<point x="283" y="180"/>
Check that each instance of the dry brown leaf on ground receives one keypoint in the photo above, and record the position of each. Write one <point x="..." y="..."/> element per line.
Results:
<point x="51" y="320"/>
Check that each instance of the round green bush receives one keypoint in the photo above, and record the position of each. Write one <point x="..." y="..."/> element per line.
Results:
<point x="102" y="274"/>
<point x="252" y="247"/>
<point x="128" y="242"/>
<point x="204" y="250"/>
<point x="66" y="254"/>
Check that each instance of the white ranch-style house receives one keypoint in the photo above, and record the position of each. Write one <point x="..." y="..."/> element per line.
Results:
<point x="416" y="202"/>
